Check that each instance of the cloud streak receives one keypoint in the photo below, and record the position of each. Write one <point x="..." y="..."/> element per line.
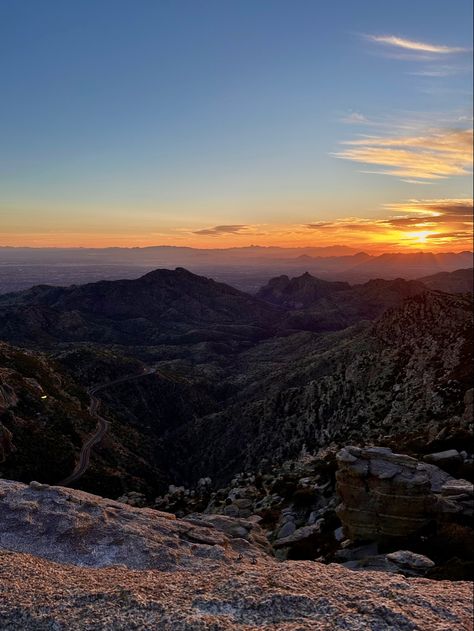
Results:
<point x="219" y="230"/>
<point x="415" y="46"/>
<point x="431" y="155"/>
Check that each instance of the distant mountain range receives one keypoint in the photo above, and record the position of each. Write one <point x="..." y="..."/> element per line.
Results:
<point x="246" y="268"/>
<point x="164" y="254"/>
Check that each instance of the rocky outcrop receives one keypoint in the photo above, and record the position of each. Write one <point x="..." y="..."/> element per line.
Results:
<point x="235" y="528"/>
<point x="78" y="528"/>
<point x="393" y="495"/>
<point x="71" y="560"/>
<point x="294" y="502"/>
<point x="301" y="292"/>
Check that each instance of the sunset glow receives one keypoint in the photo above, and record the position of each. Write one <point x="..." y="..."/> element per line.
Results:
<point x="438" y="225"/>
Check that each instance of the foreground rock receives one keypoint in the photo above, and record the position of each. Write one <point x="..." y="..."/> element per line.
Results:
<point x="78" y="528"/>
<point x="99" y="564"/>
<point x="38" y="595"/>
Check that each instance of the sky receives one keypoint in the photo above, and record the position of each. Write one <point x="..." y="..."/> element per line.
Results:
<point x="217" y="123"/>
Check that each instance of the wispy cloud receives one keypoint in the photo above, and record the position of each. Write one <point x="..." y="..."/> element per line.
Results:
<point x="218" y="230"/>
<point x="454" y="209"/>
<point x="431" y="155"/>
<point x="355" y="118"/>
<point x="443" y="70"/>
<point x="415" y="46"/>
<point x="411" y="181"/>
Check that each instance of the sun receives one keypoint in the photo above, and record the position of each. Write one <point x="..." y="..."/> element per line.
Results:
<point x="419" y="238"/>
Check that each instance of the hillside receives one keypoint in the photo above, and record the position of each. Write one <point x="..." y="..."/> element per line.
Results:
<point x="160" y="306"/>
<point x="45" y="419"/>
<point x="317" y="305"/>
<point x="406" y="375"/>
<point x="459" y="282"/>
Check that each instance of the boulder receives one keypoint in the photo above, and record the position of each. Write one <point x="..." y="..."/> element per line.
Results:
<point x="299" y="536"/>
<point x="74" y="527"/>
<point x="399" y="562"/>
<point x="449" y="460"/>
<point x="235" y="528"/>
<point x="459" y="493"/>
<point x="440" y="458"/>
<point x="286" y="530"/>
<point x="388" y="495"/>
<point x="410" y="560"/>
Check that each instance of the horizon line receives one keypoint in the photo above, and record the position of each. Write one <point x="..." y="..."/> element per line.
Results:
<point x="356" y="251"/>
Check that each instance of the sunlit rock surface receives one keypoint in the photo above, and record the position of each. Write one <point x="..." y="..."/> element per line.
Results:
<point x="99" y="564"/>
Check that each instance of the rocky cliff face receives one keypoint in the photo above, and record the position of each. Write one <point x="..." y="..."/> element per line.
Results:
<point x="386" y="495"/>
<point x="102" y="564"/>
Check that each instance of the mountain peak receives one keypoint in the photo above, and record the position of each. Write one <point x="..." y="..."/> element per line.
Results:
<point x="299" y="292"/>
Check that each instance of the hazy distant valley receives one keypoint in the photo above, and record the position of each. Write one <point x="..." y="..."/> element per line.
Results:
<point x="246" y="268"/>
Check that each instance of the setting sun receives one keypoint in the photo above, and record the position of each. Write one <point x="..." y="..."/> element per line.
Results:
<point x="420" y="237"/>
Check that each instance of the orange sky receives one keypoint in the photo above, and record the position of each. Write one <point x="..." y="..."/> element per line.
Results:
<point x="434" y="225"/>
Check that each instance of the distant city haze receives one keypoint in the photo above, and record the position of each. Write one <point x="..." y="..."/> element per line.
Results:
<point x="247" y="268"/>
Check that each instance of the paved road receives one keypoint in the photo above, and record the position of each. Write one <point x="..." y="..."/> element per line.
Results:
<point x="102" y="427"/>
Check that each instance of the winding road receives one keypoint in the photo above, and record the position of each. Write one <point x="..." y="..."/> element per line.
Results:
<point x="102" y="426"/>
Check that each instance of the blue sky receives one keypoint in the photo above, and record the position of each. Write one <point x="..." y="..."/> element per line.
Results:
<point x="147" y="121"/>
